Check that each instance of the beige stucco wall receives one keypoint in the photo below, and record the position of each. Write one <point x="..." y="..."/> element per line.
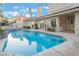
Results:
<point x="55" y="7"/>
<point x="29" y="23"/>
<point x="58" y="28"/>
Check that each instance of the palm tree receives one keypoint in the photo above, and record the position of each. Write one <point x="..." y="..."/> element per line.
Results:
<point x="1" y="11"/>
<point x="30" y="12"/>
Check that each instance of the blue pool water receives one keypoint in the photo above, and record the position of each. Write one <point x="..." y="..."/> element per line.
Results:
<point x="29" y="43"/>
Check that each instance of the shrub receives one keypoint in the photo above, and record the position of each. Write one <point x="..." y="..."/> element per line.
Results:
<point x="50" y="29"/>
<point x="26" y="27"/>
<point x="2" y="31"/>
<point x="2" y="34"/>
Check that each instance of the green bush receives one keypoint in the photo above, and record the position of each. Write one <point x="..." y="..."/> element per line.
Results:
<point x="50" y="29"/>
<point x="26" y="27"/>
<point x="2" y="31"/>
<point x="2" y="34"/>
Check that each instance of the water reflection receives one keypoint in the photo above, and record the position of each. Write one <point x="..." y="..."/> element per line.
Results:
<point x="29" y="43"/>
<point x="5" y="45"/>
<point x="39" y="48"/>
<point x="22" y="46"/>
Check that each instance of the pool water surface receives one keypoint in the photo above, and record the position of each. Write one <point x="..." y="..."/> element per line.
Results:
<point x="29" y="43"/>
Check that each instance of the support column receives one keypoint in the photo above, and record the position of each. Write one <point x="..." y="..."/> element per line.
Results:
<point x="77" y="23"/>
<point x="58" y="28"/>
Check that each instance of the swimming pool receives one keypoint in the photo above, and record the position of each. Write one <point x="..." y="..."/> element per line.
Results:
<point x="28" y="43"/>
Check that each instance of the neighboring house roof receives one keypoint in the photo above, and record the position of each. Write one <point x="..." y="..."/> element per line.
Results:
<point x="21" y="18"/>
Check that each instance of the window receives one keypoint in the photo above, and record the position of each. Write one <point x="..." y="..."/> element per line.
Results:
<point x="71" y="21"/>
<point x="53" y="23"/>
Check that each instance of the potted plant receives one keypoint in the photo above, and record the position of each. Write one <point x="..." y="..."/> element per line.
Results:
<point x="2" y="34"/>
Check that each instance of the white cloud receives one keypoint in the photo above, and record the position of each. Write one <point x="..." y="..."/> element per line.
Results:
<point x="22" y="10"/>
<point x="27" y="9"/>
<point x="34" y="9"/>
<point x="16" y="7"/>
<point x="10" y="13"/>
<point x="45" y="7"/>
<point x="33" y="15"/>
<point x="5" y="13"/>
<point x="15" y="13"/>
<point x="27" y="15"/>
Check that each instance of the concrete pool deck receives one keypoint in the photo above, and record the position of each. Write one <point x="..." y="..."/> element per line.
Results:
<point x="68" y="48"/>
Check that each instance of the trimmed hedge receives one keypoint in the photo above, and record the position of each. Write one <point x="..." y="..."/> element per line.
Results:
<point x="2" y="31"/>
<point x="2" y="34"/>
<point x="26" y="27"/>
<point x="50" y="29"/>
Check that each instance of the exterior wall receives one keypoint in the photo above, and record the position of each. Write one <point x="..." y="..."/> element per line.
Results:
<point x="42" y="25"/>
<point x="19" y="24"/>
<point x="58" y="28"/>
<point x="38" y="23"/>
<point x="77" y="22"/>
<point x="14" y="25"/>
<point x="48" y="23"/>
<point x="55" y="7"/>
<point x="28" y="24"/>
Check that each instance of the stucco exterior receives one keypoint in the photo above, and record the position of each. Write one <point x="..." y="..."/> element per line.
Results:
<point x="65" y="14"/>
<point x="55" y="7"/>
<point x="62" y="8"/>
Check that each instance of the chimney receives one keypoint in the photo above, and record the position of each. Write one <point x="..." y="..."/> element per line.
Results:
<point x="39" y="11"/>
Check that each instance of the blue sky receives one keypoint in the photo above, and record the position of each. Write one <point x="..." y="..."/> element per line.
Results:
<point x="13" y="9"/>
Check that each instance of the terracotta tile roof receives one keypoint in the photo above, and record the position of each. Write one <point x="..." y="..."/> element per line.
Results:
<point x="21" y="18"/>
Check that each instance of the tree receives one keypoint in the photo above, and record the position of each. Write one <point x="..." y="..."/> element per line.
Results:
<point x="30" y="12"/>
<point x="1" y="11"/>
